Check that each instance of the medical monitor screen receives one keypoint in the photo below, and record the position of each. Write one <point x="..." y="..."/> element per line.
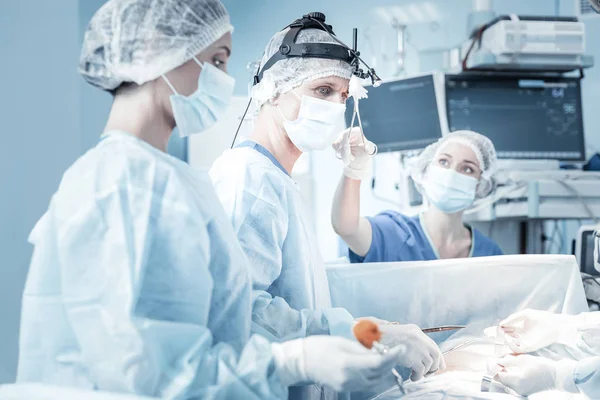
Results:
<point x="400" y="115"/>
<point x="586" y="257"/>
<point x="525" y="118"/>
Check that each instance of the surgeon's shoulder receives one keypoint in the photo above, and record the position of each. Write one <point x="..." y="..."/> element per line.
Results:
<point x="401" y="225"/>
<point x="245" y="169"/>
<point x="394" y="217"/>
<point x="119" y="164"/>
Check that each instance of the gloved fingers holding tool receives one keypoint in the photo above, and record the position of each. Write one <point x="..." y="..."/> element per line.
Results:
<point x="352" y="147"/>
<point x="422" y="354"/>
<point x="338" y="363"/>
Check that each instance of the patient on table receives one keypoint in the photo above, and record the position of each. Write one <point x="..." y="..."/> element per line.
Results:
<point x="470" y="355"/>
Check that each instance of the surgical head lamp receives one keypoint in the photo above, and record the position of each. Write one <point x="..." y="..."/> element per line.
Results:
<point x="332" y="51"/>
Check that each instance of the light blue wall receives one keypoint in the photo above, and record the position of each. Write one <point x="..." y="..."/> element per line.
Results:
<point x="41" y="136"/>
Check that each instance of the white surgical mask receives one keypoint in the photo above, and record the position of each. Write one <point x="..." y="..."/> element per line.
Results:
<point x="200" y="110"/>
<point x="449" y="190"/>
<point x="317" y="125"/>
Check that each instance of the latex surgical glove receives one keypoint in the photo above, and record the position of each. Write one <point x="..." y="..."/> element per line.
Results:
<point x="339" y="363"/>
<point x="527" y="374"/>
<point x="354" y="153"/>
<point x="422" y="356"/>
<point x="530" y="330"/>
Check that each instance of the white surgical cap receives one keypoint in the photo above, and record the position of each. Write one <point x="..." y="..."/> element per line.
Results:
<point x="482" y="147"/>
<point x="289" y="73"/>
<point x="139" y="40"/>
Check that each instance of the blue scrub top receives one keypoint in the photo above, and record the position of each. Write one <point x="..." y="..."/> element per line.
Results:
<point x="397" y="237"/>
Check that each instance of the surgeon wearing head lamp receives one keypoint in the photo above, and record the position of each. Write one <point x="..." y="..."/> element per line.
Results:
<point x="301" y="102"/>
<point x="138" y="283"/>
<point x="451" y="174"/>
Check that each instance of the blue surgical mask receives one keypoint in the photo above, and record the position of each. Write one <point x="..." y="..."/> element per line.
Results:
<point x="448" y="190"/>
<point x="200" y="110"/>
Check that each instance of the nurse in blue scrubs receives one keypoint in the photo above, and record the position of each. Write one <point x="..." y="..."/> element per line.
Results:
<point x="451" y="174"/>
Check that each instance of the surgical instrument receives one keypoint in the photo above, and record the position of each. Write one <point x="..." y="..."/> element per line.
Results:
<point x="440" y="328"/>
<point x="368" y="334"/>
<point x="443" y="328"/>
<point x="458" y="346"/>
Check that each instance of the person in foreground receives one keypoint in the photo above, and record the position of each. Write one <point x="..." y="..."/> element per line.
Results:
<point x="301" y="102"/>
<point x="530" y="330"/>
<point x="451" y="174"/>
<point x="137" y="282"/>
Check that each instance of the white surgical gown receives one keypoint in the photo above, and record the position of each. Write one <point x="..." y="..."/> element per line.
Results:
<point x="137" y="284"/>
<point x="291" y="292"/>
<point x="586" y="340"/>
<point x="585" y="347"/>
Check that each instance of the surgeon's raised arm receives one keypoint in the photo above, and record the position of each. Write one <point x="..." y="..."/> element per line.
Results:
<point x="345" y="217"/>
<point x="137" y="291"/>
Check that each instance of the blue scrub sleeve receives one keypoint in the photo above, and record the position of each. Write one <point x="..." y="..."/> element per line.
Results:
<point x="262" y="234"/>
<point x="386" y="238"/>
<point x="587" y="377"/>
<point x="137" y="291"/>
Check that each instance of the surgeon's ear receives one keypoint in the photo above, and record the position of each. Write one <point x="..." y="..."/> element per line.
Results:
<point x="275" y="101"/>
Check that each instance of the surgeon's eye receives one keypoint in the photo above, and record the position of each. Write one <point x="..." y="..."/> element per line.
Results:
<point x="444" y="162"/>
<point x="324" y="91"/>
<point x="219" y="63"/>
<point x="468" y="170"/>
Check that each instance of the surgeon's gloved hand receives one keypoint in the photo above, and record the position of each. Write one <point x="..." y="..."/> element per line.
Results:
<point x="339" y="363"/>
<point x="423" y="355"/>
<point x="527" y="374"/>
<point x="354" y="153"/>
<point x="530" y="330"/>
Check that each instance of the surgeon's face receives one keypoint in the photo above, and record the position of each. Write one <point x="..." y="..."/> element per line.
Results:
<point x="218" y="53"/>
<point x="185" y="77"/>
<point x="460" y="158"/>
<point x="332" y="88"/>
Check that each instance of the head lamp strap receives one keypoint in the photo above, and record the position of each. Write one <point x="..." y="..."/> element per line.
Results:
<point x="332" y="51"/>
<point x="289" y="48"/>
